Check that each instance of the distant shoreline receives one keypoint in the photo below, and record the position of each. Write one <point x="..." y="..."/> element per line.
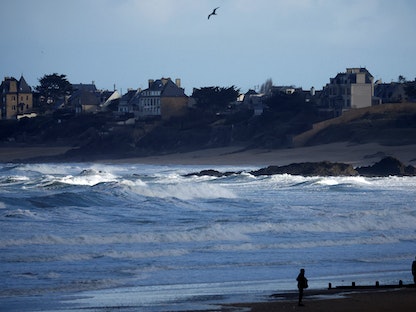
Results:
<point x="354" y="154"/>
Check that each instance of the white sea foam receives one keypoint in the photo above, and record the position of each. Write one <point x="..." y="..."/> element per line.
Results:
<point x="146" y="254"/>
<point x="89" y="178"/>
<point x="237" y="232"/>
<point x="15" y="178"/>
<point x="215" y="232"/>
<point x="183" y="191"/>
<point x="115" y="254"/>
<point x="21" y="213"/>
<point x="357" y="181"/>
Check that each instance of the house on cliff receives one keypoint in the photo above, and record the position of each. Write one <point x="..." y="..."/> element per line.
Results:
<point x="253" y="100"/>
<point x="163" y="98"/>
<point x="16" y="98"/>
<point x="86" y="98"/>
<point x="351" y="89"/>
<point x="394" y="92"/>
<point x="128" y="100"/>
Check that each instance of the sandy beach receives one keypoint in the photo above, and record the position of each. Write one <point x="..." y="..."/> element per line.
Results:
<point x="355" y="154"/>
<point x="22" y="153"/>
<point x="391" y="300"/>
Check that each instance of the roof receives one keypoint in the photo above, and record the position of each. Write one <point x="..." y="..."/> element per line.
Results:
<point x="21" y="85"/>
<point x="172" y="90"/>
<point x="83" y="97"/>
<point x="250" y="92"/>
<point x="128" y="96"/>
<point x="350" y="76"/>
<point x="166" y="87"/>
<point x="90" y="87"/>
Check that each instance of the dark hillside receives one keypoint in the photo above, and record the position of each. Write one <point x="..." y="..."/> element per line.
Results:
<point x="393" y="124"/>
<point x="100" y="136"/>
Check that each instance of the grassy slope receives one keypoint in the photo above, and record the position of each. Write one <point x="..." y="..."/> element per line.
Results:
<point x="393" y="124"/>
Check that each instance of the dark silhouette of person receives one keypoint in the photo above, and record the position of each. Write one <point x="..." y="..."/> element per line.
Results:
<point x="414" y="271"/>
<point x="302" y="284"/>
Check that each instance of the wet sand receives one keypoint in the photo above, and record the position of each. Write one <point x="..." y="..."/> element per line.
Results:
<point x="383" y="300"/>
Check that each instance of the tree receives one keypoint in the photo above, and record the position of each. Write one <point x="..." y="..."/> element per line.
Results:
<point x="410" y="89"/>
<point x="266" y="86"/>
<point x="53" y="88"/>
<point x="215" y="99"/>
<point x="401" y="79"/>
<point x="409" y="86"/>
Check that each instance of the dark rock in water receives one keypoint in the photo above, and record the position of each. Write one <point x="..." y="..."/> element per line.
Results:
<point x="305" y="169"/>
<point x="388" y="166"/>
<point x="211" y="173"/>
<point x="324" y="168"/>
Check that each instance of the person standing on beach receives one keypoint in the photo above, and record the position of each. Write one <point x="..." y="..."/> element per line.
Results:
<point x="414" y="271"/>
<point x="302" y="284"/>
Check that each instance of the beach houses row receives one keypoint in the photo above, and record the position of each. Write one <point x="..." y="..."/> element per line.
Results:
<point x="164" y="98"/>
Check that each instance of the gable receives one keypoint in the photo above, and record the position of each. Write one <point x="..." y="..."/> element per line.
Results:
<point x="172" y="90"/>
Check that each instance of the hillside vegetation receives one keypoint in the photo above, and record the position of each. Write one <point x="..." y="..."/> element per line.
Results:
<point x="392" y="124"/>
<point x="98" y="135"/>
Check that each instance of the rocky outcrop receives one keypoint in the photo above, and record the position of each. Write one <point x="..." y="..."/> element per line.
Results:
<point x="212" y="173"/>
<point x="324" y="168"/>
<point x="388" y="166"/>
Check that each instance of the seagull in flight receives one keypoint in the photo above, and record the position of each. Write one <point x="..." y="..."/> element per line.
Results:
<point x="213" y="12"/>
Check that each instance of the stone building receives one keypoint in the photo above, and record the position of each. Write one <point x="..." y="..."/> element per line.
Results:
<point x="352" y="89"/>
<point x="163" y="98"/>
<point x="16" y="98"/>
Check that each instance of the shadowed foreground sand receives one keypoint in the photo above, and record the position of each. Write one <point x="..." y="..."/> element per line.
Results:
<point x="392" y="300"/>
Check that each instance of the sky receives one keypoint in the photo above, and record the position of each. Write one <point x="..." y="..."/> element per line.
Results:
<point x="123" y="43"/>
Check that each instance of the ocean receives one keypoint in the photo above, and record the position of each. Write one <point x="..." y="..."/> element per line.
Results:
<point x="104" y="237"/>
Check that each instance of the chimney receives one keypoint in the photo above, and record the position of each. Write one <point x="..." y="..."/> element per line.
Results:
<point x="178" y="82"/>
<point x="151" y="82"/>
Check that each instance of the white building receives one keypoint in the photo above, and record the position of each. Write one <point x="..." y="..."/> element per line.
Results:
<point x="352" y="89"/>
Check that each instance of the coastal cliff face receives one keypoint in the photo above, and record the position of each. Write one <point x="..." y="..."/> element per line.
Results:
<point x="388" y="166"/>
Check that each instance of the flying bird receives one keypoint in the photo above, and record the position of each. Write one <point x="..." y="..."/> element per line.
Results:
<point x="213" y="12"/>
